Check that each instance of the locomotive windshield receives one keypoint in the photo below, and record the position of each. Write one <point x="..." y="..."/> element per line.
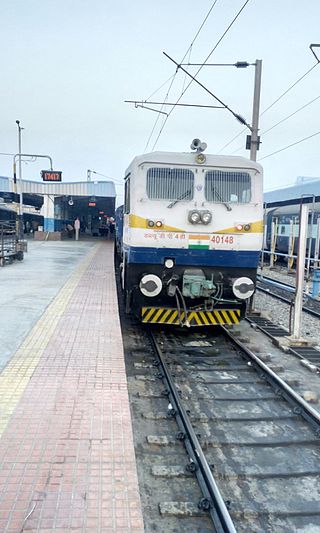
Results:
<point x="164" y="183"/>
<point x="227" y="186"/>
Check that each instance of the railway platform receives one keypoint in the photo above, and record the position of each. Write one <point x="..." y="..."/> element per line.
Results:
<point x="66" y="445"/>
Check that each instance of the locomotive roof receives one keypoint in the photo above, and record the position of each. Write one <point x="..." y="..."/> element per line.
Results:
<point x="188" y="158"/>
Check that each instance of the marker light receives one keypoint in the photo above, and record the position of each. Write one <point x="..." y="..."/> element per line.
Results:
<point x="206" y="217"/>
<point x="239" y="227"/>
<point x="246" y="227"/>
<point x="194" y="217"/>
<point x="150" y="223"/>
<point x="159" y="224"/>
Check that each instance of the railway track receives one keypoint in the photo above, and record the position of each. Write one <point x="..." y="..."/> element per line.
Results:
<point x="253" y="435"/>
<point x="280" y="292"/>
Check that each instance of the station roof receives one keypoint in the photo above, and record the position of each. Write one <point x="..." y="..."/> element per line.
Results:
<point x="304" y="186"/>
<point x="76" y="188"/>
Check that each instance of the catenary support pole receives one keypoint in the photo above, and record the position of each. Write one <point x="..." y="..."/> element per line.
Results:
<point x="255" y="111"/>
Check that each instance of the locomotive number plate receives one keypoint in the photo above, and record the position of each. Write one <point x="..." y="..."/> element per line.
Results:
<point x="224" y="241"/>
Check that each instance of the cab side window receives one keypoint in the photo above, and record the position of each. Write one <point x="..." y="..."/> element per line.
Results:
<point x="127" y="195"/>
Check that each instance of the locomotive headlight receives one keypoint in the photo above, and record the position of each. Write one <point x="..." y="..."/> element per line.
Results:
<point x="239" y="227"/>
<point x="150" y="223"/>
<point x="246" y="227"/>
<point x="159" y="224"/>
<point x="150" y="285"/>
<point x="194" y="217"/>
<point x="200" y="158"/>
<point x="243" y="288"/>
<point x="206" y="217"/>
<point x="169" y="263"/>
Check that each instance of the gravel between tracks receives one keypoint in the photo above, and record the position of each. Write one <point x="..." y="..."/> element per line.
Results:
<point x="278" y="311"/>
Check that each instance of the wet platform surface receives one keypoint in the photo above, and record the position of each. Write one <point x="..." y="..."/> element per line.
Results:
<point x="66" y="447"/>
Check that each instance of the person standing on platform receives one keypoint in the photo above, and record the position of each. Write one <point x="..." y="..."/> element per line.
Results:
<point x="77" y="227"/>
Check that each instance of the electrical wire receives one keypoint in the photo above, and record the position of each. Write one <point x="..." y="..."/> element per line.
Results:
<point x="159" y="88"/>
<point x="189" y="49"/>
<point x="269" y="107"/>
<point x="230" y="142"/>
<point x="185" y="75"/>
<point x="289" y="89"/>
<point x="174" y="76"/>
<point x="290" y="145"/>
<point x="274" y="126"/>
<point x="202" y="65"/>
<point x="289" y="116"/>
<point x="105" y="176"/>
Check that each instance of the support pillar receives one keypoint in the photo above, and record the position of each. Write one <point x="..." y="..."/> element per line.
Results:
<point x="48" y="212"/>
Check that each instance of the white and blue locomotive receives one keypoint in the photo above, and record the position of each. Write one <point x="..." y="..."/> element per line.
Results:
<point x="189" y="236"/>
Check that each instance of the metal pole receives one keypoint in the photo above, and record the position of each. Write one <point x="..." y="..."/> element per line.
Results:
<point x="274" y="229"/>
<point x="20" y="215"/>
<point x="255" y="111"/>
<point x="290" y="246"/>
<point x="303" y="228"/>
<point x="32" y="155"/>
<point x="316" y="249"/>
<point x="310" y="237"/>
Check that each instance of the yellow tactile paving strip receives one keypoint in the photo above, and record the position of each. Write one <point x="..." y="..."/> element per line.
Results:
<point x="15" y="377"/>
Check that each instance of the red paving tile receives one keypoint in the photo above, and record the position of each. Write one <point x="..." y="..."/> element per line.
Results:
<point x="67" y="458"/>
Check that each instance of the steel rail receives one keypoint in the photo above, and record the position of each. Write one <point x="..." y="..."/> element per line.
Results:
<point x="291" y="349"/>
<point x="219" y="513"/>
<point x="281" y="387"/>
<point x="289" y="302"/>
<point x="276" y="283"/>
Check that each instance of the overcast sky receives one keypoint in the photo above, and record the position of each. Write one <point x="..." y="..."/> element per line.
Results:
<point x="68" y="65"/>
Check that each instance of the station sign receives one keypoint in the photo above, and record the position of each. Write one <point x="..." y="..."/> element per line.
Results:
<point x="51" y="175"/>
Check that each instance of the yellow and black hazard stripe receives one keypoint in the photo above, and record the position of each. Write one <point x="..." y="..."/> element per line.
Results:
<point x="163" y="315"/>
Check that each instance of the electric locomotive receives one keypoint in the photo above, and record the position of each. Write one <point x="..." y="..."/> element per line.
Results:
<point x="192" y="236"/>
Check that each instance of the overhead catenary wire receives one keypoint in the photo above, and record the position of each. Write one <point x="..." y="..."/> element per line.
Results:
<point x="159" y="88"/>
<point x="105" y="176"/>
<point x="291" y="115"/>
<point x="289" y="89"/>
<point x="277" y="124"/>
<point x="142" y="103"/>
<point x="174" y="76"/>
<point x="211" y="93"/>
<point x="269" y="107"/>
<point x="202" y="65"/>
<point x="290" y="145"/>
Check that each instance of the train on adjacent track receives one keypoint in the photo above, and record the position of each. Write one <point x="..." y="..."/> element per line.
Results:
<point x="189" y="237"/>
<point x="31" y="220"/>
<point x="282" y="221"/>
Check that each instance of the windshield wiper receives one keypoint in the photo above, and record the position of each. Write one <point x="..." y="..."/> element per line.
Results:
<point x="228" y="206"/>
<point x="181" y="197"/>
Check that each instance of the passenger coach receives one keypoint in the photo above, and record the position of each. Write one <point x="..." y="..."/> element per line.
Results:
<point x="192" y="235"/>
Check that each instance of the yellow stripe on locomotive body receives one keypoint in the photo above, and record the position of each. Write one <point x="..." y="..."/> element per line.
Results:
<point x="216" y="317"/>
<point x="220" y="238"/>
<point x="138" y="222"/>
